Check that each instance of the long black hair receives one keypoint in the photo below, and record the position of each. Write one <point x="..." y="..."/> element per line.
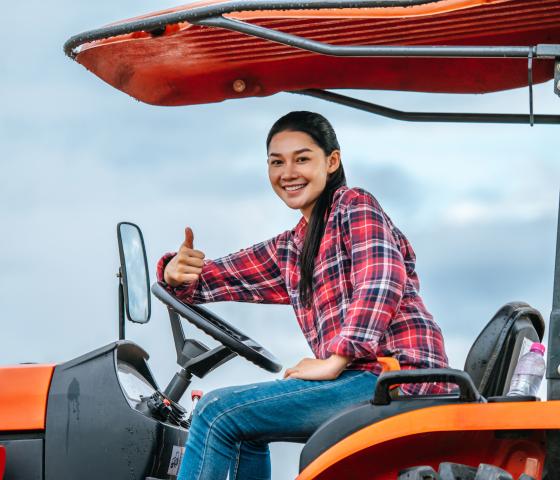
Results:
<point x="322" y="133"/>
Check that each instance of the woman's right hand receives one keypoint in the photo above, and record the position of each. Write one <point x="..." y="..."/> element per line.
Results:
<point x="186" y="266"/>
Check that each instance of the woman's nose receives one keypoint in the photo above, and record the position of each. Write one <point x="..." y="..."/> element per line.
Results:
<point x="289" y="171"/>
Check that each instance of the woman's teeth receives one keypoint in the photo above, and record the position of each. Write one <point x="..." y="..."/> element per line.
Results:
<point x="292" y="188"/>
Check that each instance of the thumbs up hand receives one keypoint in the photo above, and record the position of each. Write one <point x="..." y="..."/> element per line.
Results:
<point x="186" y="266"/>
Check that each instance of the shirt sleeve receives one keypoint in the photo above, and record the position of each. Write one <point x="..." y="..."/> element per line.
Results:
<point x="250" y="275"/>
<point x="378" y="277"/>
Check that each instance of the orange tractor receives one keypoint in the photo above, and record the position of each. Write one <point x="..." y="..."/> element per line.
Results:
<point x="103" y="415"/>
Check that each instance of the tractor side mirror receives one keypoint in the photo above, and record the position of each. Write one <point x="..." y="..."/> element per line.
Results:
<point x="134" y="276"/>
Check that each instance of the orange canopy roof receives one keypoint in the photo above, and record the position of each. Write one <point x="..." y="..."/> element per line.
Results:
<point x="185" y="64"/>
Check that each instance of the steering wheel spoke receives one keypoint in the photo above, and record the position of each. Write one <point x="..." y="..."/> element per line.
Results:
<point x="222" y="331"/>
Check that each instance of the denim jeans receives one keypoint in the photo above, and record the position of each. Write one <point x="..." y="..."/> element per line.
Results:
<point x="232" y="426"/>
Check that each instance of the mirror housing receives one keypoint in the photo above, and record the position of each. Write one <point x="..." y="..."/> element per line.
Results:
<point x="134" y="275"/>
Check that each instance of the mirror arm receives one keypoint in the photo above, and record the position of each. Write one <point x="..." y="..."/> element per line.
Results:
<point x="121" y="305"/>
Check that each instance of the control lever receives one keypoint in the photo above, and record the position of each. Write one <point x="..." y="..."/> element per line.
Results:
<point x="196" y="395"/>
<point x="166" y="409"/>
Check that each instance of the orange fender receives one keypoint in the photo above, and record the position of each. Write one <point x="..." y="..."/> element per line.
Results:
<point x="23" y="396"/>
<point x="509" y="435"/>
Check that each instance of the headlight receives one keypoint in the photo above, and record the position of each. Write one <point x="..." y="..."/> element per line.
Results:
<point x="133" y="384"/>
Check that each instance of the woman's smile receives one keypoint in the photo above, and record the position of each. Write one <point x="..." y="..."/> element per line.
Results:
<point x="294" y="188"/>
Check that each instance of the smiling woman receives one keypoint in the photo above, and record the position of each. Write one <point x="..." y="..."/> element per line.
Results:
<point x="305" y="171"/>
<point x="349" y="274"/>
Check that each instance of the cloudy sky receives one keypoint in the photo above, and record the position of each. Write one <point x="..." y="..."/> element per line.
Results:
<point x="477" y="202"/>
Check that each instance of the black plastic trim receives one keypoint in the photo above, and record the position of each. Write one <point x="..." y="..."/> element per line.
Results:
<point x="21" y="435"/>
<point x="24" y="458"/>
<point x="98" y="352"/>
<point x="93" y="432"/>
<point x="136" y="356"/>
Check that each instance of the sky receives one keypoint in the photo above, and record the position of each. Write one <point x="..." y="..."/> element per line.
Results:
<point x="477" y="202"/>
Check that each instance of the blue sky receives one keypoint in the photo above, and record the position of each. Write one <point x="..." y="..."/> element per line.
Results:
<point x="477" y="202"/>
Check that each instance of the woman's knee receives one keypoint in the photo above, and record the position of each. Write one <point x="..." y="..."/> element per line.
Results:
<point x="215" y="402"/>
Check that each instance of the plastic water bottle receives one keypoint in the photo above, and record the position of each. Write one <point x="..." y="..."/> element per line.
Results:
<point x="528" y="373"/>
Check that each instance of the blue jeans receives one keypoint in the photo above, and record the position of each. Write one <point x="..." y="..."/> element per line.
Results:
<point x="232" y="426"/>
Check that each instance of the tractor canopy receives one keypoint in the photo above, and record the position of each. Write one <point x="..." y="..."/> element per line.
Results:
<point x="213" y="51"/>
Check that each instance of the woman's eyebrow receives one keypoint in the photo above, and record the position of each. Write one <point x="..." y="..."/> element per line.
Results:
<point x="296" y="152"/>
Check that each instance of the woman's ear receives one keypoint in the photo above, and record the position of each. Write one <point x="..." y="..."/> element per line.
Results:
<point x="333" y="161"/>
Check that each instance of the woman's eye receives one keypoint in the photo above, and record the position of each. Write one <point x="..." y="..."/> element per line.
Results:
<point x="302" y="159"/>
<point x="275" y="163"/>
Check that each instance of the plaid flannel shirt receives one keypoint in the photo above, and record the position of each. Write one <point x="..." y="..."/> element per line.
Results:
<point x="365" y="290"/>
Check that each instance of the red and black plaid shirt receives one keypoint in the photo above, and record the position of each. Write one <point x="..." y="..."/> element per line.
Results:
<point x="365" y="300"/>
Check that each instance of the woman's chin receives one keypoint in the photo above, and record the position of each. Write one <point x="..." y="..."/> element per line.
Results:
<point x="295" y="203"/>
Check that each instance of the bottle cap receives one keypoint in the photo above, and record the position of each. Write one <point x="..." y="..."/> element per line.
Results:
<point x="538" y="348"/>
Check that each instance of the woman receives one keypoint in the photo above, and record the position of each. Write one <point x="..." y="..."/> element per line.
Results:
<point x="349" y="274"/>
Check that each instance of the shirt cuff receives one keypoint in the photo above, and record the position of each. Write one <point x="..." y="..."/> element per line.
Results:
<point x="184" y="292"/>
<point x="341" y="345"/>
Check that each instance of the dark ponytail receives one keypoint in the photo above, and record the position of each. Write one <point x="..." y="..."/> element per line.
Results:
<point x="322" y="133"/>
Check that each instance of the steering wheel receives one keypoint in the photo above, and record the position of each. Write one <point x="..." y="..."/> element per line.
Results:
<point x="220" y="330"/>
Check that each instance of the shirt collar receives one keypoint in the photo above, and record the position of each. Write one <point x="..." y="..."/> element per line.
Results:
<point x="299" y="233"/>
<point x="301" y="228"/>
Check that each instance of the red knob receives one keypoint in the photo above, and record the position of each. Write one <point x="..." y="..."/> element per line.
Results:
<point x="196" y="394"/>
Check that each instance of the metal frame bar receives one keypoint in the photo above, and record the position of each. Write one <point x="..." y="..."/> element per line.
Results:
<point x="200" y="13"/>
<point x="530" y="83"/>
<point x="373" y="50"/>
<point x="557" y="76"/>
<point x="553" y="361"/>
<point x="430" y="116"/>
<point x="212" y="16"/>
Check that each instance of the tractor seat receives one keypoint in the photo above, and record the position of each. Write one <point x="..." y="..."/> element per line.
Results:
<point x="488" y="370"/>
<point x="494" y="354"/>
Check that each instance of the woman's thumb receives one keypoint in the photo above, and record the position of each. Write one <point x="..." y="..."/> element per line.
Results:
<point x="189" y="238"/>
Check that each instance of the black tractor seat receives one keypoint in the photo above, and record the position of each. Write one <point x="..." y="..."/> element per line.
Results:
<point x="493" y="357"/>
<point x="488" y="371"/>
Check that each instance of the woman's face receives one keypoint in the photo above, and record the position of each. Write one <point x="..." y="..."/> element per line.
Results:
<point x="298" y="169"/>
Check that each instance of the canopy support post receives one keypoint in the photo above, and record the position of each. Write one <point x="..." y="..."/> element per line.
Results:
<point x="557" y="76"/>
<point x="530" y="83"/>
<point x="553" y="361"/>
